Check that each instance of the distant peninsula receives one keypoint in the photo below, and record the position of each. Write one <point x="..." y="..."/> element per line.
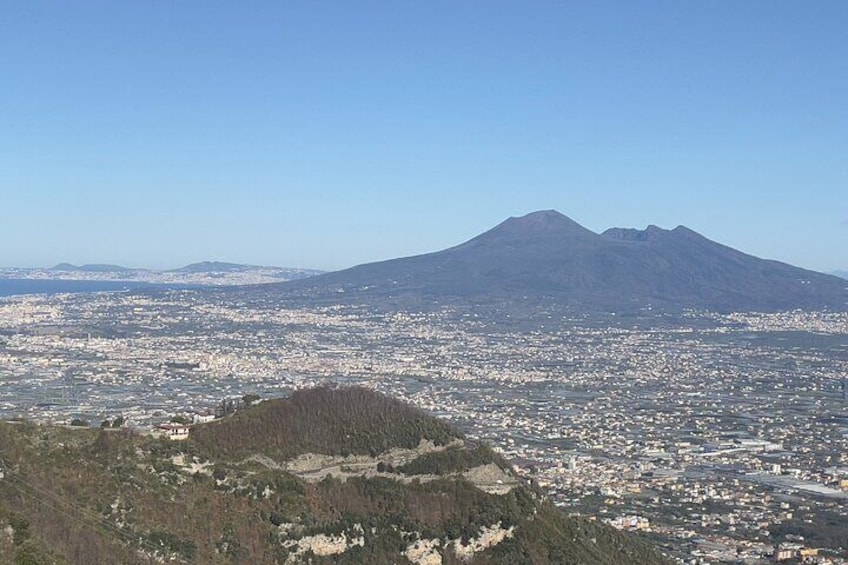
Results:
<point x="206" y="273"/>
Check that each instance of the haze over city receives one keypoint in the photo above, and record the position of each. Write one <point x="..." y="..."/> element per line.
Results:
<point x="325" y="135"/>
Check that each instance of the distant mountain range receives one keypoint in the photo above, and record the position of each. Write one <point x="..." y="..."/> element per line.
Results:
<point x="547" y="256"/>
<point x="840" y="274"/>
<point x="222" y="267"/>
<point x="201" y="267"/>
<point x="93" y="268"/>
<point x="207" y="273"/>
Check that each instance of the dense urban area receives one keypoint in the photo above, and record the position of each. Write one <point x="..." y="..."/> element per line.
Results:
<point x="724" y="438"/>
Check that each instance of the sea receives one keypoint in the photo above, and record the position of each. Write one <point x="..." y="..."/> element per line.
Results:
<point x="13" y="287"/>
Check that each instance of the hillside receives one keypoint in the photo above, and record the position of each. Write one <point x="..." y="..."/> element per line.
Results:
<point x="547" y="257"/>
<point x="326" y="476"/>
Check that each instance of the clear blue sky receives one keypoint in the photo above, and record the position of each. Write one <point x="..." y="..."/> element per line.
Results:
<point x="326" y="134"/>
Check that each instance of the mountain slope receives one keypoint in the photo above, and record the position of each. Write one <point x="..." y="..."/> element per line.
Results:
<point x="547" y="255"/>
<point x="98" y="496"/>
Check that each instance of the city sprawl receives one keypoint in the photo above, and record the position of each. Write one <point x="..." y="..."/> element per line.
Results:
<point x="723" y="437"/>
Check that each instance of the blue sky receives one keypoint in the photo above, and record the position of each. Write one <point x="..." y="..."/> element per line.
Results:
<point x="326" y="134"/>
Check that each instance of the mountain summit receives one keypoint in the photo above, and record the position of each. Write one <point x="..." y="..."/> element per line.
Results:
<point x="546" y="255"/>
<point x="544" y="225"/>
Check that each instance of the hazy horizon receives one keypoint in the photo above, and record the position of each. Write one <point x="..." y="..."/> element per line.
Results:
<point x="327" y="135"/>
<point x="838" y="272"/>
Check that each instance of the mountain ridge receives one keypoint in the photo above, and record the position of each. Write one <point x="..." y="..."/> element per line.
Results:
<point x="90" y="268"/>
<point x="547" y="255"/>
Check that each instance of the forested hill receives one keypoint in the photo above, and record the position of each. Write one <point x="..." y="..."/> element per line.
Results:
<point x="323" y="420"/>
<point x="343" y="476"/>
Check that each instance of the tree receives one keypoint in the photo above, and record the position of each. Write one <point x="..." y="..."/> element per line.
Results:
<point x="20" y="529"/>
<point x="277" y="518"/>
<point x="226" y="408"/>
